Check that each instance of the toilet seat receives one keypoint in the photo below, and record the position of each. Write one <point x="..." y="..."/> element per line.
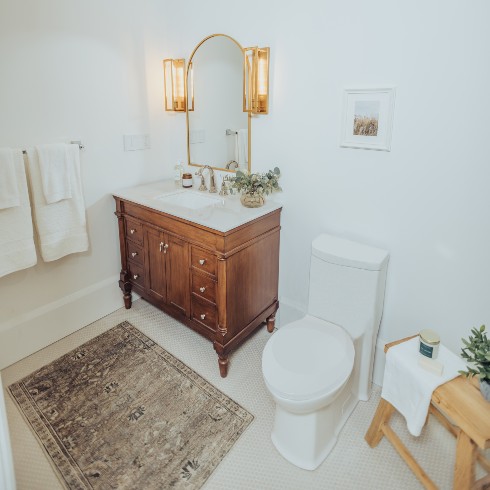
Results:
<point x="307" y="358"/>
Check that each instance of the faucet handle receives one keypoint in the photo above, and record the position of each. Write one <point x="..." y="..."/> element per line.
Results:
<point x="199" y="173"/>
<point x="224" y="188"/>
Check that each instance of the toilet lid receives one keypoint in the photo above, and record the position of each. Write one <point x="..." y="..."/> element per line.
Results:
<point x="307" y="358"/>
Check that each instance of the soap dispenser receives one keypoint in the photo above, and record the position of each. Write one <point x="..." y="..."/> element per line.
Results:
<point x="178" y="171"/>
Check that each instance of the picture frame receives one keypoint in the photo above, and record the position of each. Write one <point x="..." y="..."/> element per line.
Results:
<point x="367" y="118"/>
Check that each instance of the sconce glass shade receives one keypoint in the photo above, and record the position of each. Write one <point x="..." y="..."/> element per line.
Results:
<point x="174" y="80"/>
<point x="256" y="80"/>
<point x="190" y="87"/>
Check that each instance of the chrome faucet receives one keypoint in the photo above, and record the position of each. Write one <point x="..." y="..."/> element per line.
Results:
<point x="212" y="184"/>
<point x="202" y="187"/>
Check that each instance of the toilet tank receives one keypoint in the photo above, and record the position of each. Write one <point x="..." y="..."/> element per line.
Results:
<point x="347" y="283"/>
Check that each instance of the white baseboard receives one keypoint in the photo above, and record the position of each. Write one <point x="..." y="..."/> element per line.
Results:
<point x="379" y="362"/>
<point x="289" y="311"/>
<point x="29" y="332"/>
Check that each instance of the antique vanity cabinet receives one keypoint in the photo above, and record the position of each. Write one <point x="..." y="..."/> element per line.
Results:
<point x="222" y="284"/>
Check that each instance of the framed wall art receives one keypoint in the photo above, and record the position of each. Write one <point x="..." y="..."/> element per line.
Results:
<point x="367" y="118"/>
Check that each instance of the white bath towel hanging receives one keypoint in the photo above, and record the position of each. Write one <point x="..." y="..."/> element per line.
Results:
<point x="17" y="249"/>
<point x="61" y="226"/>
<point x="54" y="166"/>
<point x="9" y="191"/>
<point x="242" y="148"/>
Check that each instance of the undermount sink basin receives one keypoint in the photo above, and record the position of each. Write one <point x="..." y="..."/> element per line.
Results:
<point x="190" y="200"/>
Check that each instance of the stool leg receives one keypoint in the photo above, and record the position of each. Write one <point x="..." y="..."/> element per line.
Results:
<point x="464" y="469"/>
<point x="382" y="416"/>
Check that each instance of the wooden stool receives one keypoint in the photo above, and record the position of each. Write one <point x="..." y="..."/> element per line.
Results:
<point x="459" y="406"/>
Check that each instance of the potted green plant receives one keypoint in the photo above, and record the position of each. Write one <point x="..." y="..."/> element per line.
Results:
<point x="477" y="352"/>
<point x="253" y="187"/>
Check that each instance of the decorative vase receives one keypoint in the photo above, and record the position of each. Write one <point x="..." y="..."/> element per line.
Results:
<point x="485" y="389"/>
<point x="252" y="200"/>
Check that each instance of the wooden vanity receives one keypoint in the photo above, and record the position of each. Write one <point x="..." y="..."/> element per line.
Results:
<point x="222" y="284"/>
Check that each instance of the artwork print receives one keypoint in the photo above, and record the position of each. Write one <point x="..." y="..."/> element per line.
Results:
<point x="367" y="118"/>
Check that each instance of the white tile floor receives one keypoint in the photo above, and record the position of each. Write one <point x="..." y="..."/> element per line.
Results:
<point x="253" y="463"/>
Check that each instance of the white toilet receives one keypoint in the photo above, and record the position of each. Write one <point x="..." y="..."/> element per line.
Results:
<point x="317" y="368"/>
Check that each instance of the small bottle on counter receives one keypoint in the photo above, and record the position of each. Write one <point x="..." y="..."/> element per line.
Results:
<point x="429" y="343"/>
<point x="186" y="180"/>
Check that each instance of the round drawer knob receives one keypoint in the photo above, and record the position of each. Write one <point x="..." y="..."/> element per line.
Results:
<point x="202" y="261"/>
<point x="133" y="231"/>
<point x="203" y="316"/>
<point x="134" y="254"/>
<point x="136" y="276"/>
<point x="202" y="289"/>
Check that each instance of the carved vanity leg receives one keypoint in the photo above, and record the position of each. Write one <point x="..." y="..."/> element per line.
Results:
<point x="271" y="321"/>
<point x="125" y="286"/>
<point x="223" y="365"/>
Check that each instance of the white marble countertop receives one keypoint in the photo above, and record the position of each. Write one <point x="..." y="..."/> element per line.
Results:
<point x="223" y="213"/>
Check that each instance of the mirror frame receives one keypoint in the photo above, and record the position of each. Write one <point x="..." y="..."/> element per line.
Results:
<point x="249" y="115"/>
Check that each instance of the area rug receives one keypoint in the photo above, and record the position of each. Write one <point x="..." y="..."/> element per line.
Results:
<point x="121" y="412"/>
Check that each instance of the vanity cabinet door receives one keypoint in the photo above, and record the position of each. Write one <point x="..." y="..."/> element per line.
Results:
<point x="155" y="273"/>
<point x="177" y="269"/>
<point x="168" y="270"/>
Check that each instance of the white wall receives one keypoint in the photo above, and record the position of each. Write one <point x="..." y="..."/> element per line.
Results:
<point x="427" y="200"/>
<point x="93" y="71"/>
<point x="73" y="71"/>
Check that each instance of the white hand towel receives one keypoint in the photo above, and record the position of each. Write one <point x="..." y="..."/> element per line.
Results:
<point x="17" y="250"/>
<point x="242" y="149"/>
<point x="9" y="192"/>
<point x="408" y="387"/>
<point x="61" y="226"/>
<point x="54" y="166"/>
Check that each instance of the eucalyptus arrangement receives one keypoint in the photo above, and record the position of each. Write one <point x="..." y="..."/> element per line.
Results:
<point x="253" y="186"/>
<point x="476" y="350"/>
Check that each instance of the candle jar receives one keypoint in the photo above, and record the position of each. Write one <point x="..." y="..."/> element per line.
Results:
<point x="186" y="180"/>
<point x="429" y="343"/>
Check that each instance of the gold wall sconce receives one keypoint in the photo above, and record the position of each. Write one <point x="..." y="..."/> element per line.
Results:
<point x="174" y="84"/>
<point x="256" y="80"/>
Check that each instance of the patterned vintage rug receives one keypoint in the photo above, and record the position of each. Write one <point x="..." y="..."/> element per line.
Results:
<point x="121" y="412"/>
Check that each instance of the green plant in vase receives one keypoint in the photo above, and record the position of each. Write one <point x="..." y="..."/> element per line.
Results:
<point x="254" y="186"/>
<point x="476" y="351"/>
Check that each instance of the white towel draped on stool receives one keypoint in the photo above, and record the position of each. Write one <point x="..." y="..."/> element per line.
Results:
<point x="408" y="387"/>
<point x="9" y="191"/>
<point x="61" y="226"/>
<point x="17" y="250"/>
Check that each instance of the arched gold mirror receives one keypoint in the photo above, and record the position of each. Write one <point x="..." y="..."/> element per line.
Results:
<point x="218" y="130"/>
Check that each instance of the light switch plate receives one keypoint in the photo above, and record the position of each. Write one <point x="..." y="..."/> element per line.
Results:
<point x="134" y="142"/>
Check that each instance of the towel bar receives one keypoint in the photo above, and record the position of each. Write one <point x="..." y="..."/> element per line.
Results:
<point x="79" y="143"/>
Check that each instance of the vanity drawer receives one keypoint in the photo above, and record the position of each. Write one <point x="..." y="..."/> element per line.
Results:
<point x="135" y="252"/>
<point x="203" y="312"/>
<point x="203" y="260"/>
<point x="203" y="286"/>
<point x="134" y="230"/>
<point x="136" y="274"/>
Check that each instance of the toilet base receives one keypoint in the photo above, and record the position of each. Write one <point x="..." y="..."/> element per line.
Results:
<point x="305" y="440"/>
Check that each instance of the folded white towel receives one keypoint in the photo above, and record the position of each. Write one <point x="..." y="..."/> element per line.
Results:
<point x="9" y="192"/>
<point x="61" y="226"/>
<point x="408" y="387"/>
<point x="17" y="250"/>
<point x="54" y="165"/>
